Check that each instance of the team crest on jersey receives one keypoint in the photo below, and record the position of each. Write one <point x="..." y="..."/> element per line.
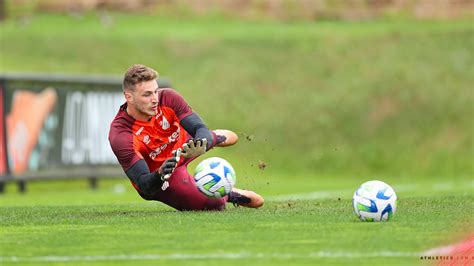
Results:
<point x="164" y="123"/>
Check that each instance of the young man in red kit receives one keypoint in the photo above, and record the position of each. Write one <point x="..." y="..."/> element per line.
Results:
<point x="155" y="135"/>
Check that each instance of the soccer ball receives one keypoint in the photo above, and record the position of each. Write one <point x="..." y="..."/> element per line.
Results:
<point x="374" y="201"/>
<point x="214" y="177"/>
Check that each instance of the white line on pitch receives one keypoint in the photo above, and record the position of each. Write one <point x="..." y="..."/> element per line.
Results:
<point x="438" y="251"/>
<point x="184" y="256"/>
<point x="348" y="193"/>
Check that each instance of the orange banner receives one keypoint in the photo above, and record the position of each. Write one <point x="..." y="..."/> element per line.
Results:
<point x="3" y="155"/>
<point x="24" y="123"/>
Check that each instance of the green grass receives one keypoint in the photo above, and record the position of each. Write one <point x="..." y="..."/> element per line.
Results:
<point x="365" y="98"/>
<point x="60" y="220"/>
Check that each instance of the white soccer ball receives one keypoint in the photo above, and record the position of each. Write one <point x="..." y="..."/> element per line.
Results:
<point x="374" y="201"/>
<point x="214" y="177"/>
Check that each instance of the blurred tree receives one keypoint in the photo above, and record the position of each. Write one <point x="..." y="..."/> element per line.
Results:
<point x="3" y="12"/>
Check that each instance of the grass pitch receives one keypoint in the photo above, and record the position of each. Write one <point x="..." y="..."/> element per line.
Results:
<point x="59" y="223"/>
<point x="381" y="97"/>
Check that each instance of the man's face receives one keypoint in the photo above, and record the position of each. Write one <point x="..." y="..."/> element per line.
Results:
<point x="144" y="100"/>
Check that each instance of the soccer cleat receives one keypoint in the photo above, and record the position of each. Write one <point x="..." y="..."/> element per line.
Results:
<point x="230" y="137"/>
<point x="246" y="198"/>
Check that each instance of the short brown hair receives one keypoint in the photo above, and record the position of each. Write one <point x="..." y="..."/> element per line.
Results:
<point x="137" y="74"/>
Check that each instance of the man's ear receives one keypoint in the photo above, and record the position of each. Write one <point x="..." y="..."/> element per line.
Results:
<point x="128" y="96"/>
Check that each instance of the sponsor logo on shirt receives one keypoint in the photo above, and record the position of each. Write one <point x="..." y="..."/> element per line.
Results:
<point x="174" y="136"/>
<point x="146" y="139"/>
<point x="158" y="150"/>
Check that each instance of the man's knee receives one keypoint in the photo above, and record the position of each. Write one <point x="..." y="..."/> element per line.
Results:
<point x="198" y="204"/>
<point x="214" y="205"/>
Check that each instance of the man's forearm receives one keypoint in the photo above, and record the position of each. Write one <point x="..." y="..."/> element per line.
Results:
<point x="194" y="125"/>
<point x="148" y="183"/>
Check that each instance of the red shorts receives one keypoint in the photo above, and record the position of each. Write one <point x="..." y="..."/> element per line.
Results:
<point x="182" y="193"/>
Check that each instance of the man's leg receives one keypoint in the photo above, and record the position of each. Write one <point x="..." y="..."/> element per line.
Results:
<point x="246" y="198"/>
<point x="239" y="197"/>
<point x="230" y="137"/>
<point x="182" y="194"/>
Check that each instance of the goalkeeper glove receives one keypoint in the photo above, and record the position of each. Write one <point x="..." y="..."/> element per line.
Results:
<point x="194" y="148"/>
<point x="168" y="166"/>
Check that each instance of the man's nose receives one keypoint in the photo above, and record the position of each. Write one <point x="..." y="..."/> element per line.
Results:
<point x="154" y="99"/>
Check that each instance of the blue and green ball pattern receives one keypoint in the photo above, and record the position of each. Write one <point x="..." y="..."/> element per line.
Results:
<point x="215" y="177"/>
<point x="374" y="201"/>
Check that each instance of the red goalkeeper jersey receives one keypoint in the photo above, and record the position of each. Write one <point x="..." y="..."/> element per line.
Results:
<point x="153" y="140"/>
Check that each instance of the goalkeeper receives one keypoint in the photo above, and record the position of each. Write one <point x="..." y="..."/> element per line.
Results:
<point x="156" y="134"/>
